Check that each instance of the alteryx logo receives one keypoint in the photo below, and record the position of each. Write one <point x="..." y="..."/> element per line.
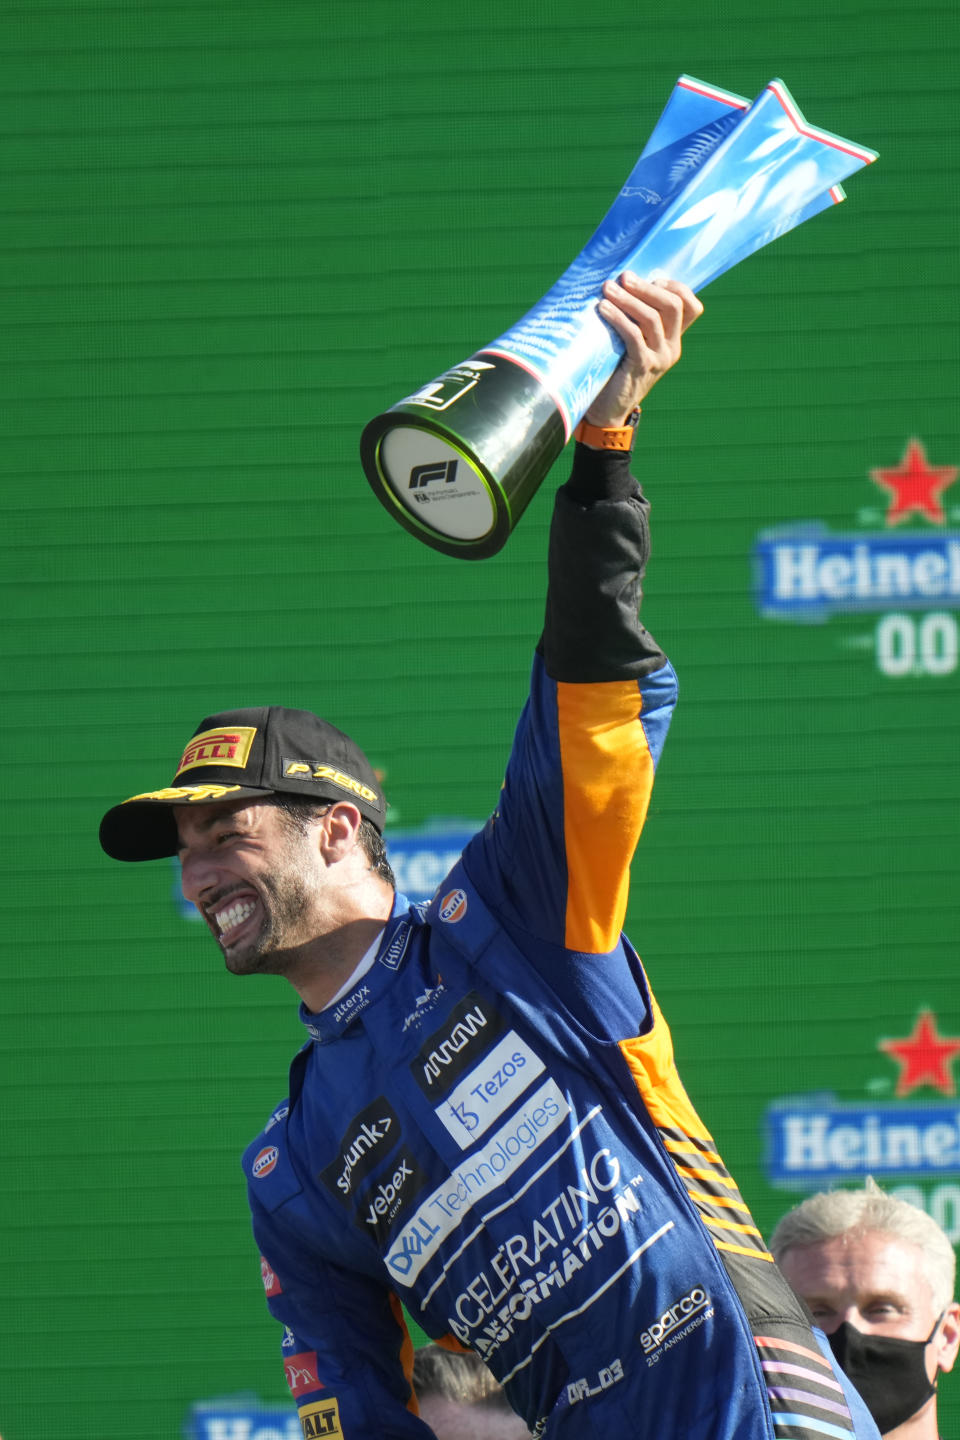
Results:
<point x="910" y="577"/>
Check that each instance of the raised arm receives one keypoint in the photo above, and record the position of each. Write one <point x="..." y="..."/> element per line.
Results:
<point x="602" y="692"/>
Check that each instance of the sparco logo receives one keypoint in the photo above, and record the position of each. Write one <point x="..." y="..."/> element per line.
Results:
<point x="421" y="475"/>
<point x="678" y="1314"/>
<point x="453" y="1049"/>
<point x="370" y="1137"/>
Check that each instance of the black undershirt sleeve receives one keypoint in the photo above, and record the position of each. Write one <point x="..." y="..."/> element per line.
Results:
<point x="599" y="546"/>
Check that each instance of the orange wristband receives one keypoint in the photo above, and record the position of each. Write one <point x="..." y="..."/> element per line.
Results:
<point x="599" y="437"/>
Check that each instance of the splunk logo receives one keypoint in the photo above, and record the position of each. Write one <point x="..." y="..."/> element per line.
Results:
<point x="676" y="1315"/>
<point x="370" y="1136"/>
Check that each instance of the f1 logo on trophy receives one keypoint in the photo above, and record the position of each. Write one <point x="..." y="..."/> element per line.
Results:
<point x="457" y="462"/>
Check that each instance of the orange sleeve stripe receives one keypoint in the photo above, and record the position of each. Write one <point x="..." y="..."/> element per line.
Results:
<point x="719" y="1200"/>
<point x="777" y="1344"/>
<point x="712" y="1220"/>
<point x="710" y="1175"/>
<point x="677" y="1148"/>
<point x="607" y="772"/>
<point x="743" y="1250"/>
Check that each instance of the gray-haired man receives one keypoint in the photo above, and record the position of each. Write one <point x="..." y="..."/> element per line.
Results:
<point x="878" y="1275"/>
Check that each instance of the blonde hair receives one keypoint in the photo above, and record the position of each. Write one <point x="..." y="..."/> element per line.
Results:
<point x="831" y="1213"/>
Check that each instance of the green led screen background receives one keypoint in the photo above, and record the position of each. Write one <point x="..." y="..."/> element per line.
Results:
<point x="232" y="233"/>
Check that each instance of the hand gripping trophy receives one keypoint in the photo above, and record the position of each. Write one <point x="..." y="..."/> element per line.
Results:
<point x="457" y="462"/>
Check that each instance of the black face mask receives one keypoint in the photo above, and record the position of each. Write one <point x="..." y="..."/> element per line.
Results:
<point x="889" y="1373"/>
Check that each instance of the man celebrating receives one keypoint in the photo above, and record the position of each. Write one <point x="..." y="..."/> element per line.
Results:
<point x="878" y="1275"/>
<point x="485" y="1126"/>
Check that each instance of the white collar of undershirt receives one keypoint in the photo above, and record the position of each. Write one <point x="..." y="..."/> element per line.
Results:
<point x="361" y="970"/>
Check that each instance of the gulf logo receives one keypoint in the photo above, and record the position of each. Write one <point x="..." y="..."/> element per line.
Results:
<point x="265" y="1161"/>
<point x="453" y="907"/>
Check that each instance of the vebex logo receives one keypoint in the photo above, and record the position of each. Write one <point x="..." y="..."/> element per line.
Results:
<point x="441" y="470"/>
<point x="470" y="1029"/>
<point x="385" y="1200"/>
<point x="806" y="574"/>
<point x="367" y="1140"/>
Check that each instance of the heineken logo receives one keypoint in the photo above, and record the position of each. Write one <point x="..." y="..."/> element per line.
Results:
<point x="902" y="565"/>
<point x="818" y="1140"/>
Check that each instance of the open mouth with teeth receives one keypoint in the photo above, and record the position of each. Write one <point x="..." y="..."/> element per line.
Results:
<point x="232" y="919"/>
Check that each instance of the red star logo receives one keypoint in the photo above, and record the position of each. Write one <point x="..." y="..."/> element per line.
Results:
<point x="915" y="485"/>
<point x="924" y="1057"/>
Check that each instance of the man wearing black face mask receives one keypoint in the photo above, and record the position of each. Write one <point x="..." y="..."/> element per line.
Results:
<point x="878" y="1275"/>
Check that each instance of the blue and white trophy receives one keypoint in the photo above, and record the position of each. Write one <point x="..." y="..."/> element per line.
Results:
<point x="457" y="462"/>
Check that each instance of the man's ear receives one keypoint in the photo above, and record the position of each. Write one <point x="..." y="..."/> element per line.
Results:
<point x="947" y="1340"/>
<point x="338" y="831"/>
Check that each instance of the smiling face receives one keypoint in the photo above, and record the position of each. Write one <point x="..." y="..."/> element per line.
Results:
<point x="257" y="881"/>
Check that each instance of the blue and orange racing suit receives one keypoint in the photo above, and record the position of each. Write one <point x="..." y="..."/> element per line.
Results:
<point x="490" y="1132"/>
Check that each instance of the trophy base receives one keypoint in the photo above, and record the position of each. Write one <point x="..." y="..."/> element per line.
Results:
<point x="458" y="462"/>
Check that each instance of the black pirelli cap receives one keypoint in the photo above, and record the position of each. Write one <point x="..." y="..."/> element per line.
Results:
<point x="246" y="754"/>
